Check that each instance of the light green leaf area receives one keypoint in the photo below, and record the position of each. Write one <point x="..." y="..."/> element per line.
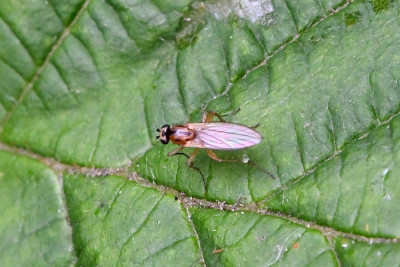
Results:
<point x="34" y="226"/>
<point x="356" y="253"/>
<point x="237" y="238"/>
<point x="119" y="223"/>
<point x="86" y="83"/>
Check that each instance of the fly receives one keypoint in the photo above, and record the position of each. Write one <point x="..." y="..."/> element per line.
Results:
<point x="210" y="135"/>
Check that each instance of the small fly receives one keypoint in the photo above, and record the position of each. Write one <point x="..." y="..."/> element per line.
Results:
<point x="210" y="135"/>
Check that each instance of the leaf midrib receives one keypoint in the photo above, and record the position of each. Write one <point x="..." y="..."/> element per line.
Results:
<point x="187" y="201"/>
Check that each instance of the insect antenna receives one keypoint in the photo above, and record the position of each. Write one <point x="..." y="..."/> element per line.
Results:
<point x="155" y="126"/>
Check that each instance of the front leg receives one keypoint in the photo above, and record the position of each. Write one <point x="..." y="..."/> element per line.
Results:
<point x="189" y="163"/>
<point x="176" y="152"/>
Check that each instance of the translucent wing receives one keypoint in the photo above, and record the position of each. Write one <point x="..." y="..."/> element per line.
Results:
<point x="225" y="136"/>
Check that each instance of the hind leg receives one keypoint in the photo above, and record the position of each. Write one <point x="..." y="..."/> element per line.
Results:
<point x="214" y="156"/>
<point x="208" y="115"/>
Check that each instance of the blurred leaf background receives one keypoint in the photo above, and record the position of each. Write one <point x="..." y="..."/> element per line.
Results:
<point x="84" y="85"/>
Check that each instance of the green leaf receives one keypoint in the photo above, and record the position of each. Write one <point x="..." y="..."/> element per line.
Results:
<point x="360" y="253"/>
<point x="34" y="226"/>
<point x="244" y="237"/>
<point x="357" y="191"/>
<point x="84" y="85"/>
<point x="153" y="230"/>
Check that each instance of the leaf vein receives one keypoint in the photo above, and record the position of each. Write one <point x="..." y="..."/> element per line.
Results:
<point x="248" y="232"/>
<point x="300" y="144"/>
<point x="12" y="68"/>
<point x="45" y="63"/>
<point x="57" y="68"/>
<point x="116" y="196"/>
<point x="24" y="46"/>
<point x="196" y="235"/>
<point x="139" y="228"/>
<point x="165" y="248"/>
<point x="340" y="189"/>
<point x="92" y="155"/>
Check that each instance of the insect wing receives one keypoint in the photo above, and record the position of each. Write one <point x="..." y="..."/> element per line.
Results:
<point x="226" y="136"/>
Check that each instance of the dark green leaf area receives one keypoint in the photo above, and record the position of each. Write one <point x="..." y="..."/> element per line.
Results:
<point x="117" y="222"/>
<point x="278" y="27"/>
<point x="24" y="25"/>
<point x="26" y="41"/>
<point x="33" y="227"/>
<point x="11" y="86"/>
<point x="379" y="5"/>
<point x="147" y="22"/>
<point x="305" y="12"/>
<point x="356" y="191"/>
<point x="357" y="253"/>
<point x="202" y="68"/>
<point x="245" y="238"/>
<point x="352" y="18"/>
<point x="245" y="50"/>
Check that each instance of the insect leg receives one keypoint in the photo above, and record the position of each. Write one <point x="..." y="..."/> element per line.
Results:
<point x="189" y="162"/>
<point x="233" y="113"/>
<point x="207" y="116"/>
<point x="176" y="151"/>
<point x="190" y="165"/>
<point x="214" y="156"/>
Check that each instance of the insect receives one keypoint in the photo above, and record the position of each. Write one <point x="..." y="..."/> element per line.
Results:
<point x="210" y="135"/>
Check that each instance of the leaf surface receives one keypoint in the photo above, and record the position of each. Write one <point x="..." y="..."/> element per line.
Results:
<point x="84" y="85"/>
<point x="34" y="227"/>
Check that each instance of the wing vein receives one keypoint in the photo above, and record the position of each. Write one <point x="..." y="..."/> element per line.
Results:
<point x="226" y="136"/>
